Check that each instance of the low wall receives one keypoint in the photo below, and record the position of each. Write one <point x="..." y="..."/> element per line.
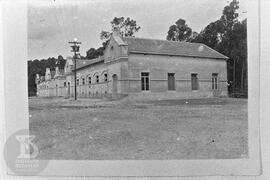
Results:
<point x="83" y="91"/>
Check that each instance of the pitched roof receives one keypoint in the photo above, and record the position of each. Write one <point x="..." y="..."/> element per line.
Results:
<point x="82" y="63"/>
<point x="163" y="47"/>
<point x="119" y="40"/>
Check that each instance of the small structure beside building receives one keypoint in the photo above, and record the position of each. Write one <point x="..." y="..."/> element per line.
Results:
<point x="144" y="67"/>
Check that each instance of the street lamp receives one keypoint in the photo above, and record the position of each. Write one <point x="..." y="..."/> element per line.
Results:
<point x="76" y="49"/>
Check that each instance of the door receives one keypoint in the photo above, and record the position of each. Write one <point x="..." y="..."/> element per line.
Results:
<point x="56" y="90"/>
<point x="68" y="90"/>
<point x="114" y="78"/>
<point x="215" y="85"/>
<point x="171" y="82"/>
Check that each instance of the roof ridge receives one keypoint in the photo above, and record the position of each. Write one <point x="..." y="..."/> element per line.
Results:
<point x="130" y="37"/>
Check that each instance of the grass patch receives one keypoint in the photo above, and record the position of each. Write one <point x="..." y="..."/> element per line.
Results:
<point x="214" y="128"/>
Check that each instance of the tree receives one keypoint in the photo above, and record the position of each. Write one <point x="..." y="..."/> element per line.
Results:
<point x="194" y="35"/>
<point x="211" y="35"/>
<point x="60" y="62"/>
<point x="237" y="51"/>
<point x="127" y="27"/>
<point x="93" y="53"/>
<point x="228" y="36"/>
<point x="234" y="45"/>
<point x="179" y="31"/>
<point x="219" y="33"/>
<point x="230" y="16"/>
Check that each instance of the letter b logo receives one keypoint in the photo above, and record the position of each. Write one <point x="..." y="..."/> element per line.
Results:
<point x="26" y="145"/>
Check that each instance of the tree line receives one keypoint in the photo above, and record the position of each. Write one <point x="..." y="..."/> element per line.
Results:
<point x="227" y="35"/>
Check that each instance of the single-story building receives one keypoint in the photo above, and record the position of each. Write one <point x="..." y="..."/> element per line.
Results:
<point x="145" y="67"/>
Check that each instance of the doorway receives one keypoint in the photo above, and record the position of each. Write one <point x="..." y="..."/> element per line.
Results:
<point x="56" y="90"/>
<point x="68" y="90"/>
<point x="114" y="84"/>
<point x="215" y="86"/>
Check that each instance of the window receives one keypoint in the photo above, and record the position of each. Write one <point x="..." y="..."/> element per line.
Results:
<point x="214" y="81"/>
<point x="145" y="81"/>
<point x="78" y="81"/>
<point x="194" y="82"/>
<point x="89" y="80"/>
<point x="83" y="81"/>
<point x="65" y="84"/>
<point x="171" y="82"/>
<point x="105" y="77"/>
<point x="97" y="79"/>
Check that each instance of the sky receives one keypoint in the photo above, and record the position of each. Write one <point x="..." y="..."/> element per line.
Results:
<point x="53" y="23"/>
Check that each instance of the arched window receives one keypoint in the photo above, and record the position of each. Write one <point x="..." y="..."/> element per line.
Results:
<point x="89" y="80"/>
<point x="83" y="81"/>
<point x="97" y="79"/>
<point x="65" y="84"/>
<point x="78" y="81"/>
<point x="105" y="77"/>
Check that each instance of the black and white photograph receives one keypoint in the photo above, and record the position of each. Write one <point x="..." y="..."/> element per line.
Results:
<point x="172" y="85"/>
<point x="136" y="81"/>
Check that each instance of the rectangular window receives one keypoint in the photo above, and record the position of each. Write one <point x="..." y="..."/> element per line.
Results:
<point x="145" y="81"/>
<point x="194" y="82"/>
<point x="171" y="82"/>
<point x="214" y="81"/>
<point x="78" y="81"/>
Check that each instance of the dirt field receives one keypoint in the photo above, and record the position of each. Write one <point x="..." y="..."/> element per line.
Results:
<point x="165" y="129"/>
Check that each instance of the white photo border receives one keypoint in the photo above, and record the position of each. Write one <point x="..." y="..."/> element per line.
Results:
<point x="14" y="33"/>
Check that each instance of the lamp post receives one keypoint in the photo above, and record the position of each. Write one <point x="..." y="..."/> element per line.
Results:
<point x="75" y="48"/>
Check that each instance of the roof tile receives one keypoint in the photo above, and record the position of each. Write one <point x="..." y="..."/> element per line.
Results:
<point x="152" y="46"/>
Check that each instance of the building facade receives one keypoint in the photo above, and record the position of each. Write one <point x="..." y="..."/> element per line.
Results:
<point x="144" y="67"/>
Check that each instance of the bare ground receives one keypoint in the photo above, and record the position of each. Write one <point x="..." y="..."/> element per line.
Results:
<point x="115" y="130"/>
